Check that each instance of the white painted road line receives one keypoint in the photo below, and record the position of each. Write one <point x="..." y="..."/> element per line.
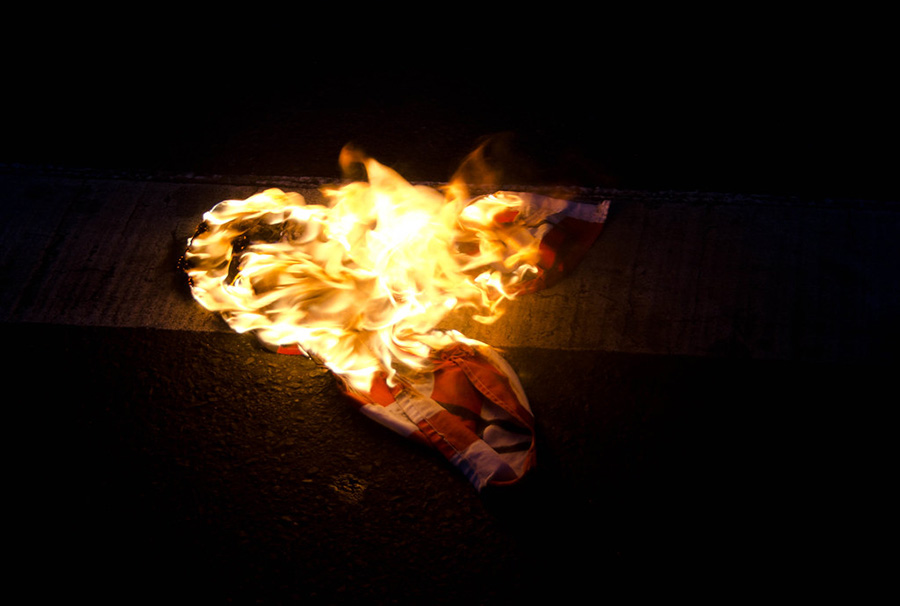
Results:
<point x="671" y="273"/>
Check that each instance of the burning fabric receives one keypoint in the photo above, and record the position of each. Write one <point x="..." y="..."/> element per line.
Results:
<point x="362" y="282"/>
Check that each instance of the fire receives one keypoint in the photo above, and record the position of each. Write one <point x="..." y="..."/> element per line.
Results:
<point x="362" y="281"/>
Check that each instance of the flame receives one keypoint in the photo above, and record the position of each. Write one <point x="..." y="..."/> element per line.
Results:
<point x="362" y="281"/>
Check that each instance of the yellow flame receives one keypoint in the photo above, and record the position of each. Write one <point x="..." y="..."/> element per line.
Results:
<point x="361" y="281"/>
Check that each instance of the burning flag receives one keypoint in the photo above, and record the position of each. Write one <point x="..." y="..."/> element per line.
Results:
<point x="362" y="282"/>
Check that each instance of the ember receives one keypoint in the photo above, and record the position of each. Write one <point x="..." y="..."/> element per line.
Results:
<point x="362" y="282"/>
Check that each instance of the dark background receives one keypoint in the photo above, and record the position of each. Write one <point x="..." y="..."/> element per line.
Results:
<point x="762" y="103"/>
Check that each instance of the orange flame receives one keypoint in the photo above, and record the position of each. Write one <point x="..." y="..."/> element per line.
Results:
<point x="362" y="281"/>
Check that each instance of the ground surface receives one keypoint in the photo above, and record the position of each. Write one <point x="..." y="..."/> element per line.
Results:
<point x="160" y="463"/>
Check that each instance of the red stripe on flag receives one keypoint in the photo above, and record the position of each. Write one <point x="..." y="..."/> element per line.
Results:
<point x="290" y="350"/>
<point x="447" y="433"/>
<point x="489" y="381"/>
<point x="562" y="249"/>
<point x="381" y="392"/>
<point x="452" y="387"/>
